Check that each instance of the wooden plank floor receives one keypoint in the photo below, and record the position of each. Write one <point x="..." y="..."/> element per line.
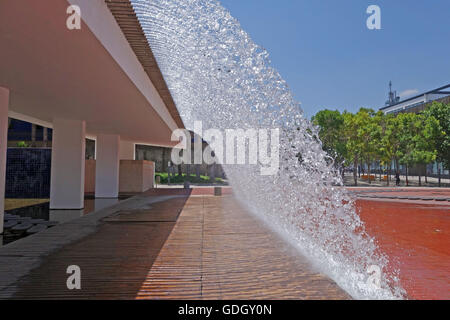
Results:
<point x="218" y="251"/>
<point x="114" y="260"/>
<point x="197" y="247"/>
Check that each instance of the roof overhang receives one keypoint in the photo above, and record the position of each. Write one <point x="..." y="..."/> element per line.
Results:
<point x="93" y="74"/>
<point x="125" y="16"/>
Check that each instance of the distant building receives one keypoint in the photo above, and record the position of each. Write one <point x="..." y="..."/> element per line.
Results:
<point x="417" y="103"/>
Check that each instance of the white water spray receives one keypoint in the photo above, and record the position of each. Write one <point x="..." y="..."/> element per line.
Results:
<point x="218" y="75"/>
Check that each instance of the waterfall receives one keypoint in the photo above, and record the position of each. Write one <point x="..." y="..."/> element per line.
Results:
<point x="218" y="75"/>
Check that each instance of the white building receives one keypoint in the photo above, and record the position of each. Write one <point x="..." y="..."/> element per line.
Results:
<point x="419" y="102"/>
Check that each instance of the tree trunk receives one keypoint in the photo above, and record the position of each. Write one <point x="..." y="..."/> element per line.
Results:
<point x="389" y="175"/>
<point x="420" y="179"/>
<point x="439" y="177"/>
<point x="426" y="178"/>
<point x="407" y="182"/>
<point x="368" y="171"/>
<point x="355" y="174"/>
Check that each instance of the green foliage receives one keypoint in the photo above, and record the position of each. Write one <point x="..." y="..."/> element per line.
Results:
<point x="352" y="139"/>
<point x="417" y="138"/>
<point x="22" y="144"/>
<point x="180" y="179"/>
<point x="369" y="133"/>
<point x="331" y="125"/>
<point x="390" y="147"/>
<point x="441" y="135"/>
<point x="406" y="138"/>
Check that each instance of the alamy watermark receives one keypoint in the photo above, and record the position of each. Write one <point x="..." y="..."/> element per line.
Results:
<point x="74" y="280"/>
<point x="374" y="20"/>
<point x="230" y="146"/>
<point x="73" y="22"/>
<point x="374" y="280"/>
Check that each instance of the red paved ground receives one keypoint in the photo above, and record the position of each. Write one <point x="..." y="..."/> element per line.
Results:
<point x="411" y="192"/>
<point x="416" y="237"/>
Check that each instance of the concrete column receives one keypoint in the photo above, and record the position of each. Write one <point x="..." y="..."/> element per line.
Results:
<point x="68" y="163"/>
<point x="127" y="150"/>
<point x="4" y="106"/>
<point x="107" y="166"/>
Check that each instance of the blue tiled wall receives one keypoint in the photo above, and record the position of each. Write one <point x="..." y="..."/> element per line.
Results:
<point x="28" y="173"/>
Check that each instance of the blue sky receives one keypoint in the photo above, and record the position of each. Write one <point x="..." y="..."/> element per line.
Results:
<point x="329" y="58"/>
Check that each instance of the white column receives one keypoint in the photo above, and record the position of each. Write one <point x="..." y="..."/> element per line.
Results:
<point x="127" y="150"/>
<point x="4" y="106"/>
<point x="107" y="166"/>
<point x="68" y="162"/>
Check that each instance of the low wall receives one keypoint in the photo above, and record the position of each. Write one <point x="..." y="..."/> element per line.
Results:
<point x="136" y="176"/>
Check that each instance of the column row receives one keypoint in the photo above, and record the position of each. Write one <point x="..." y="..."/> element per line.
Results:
<point x="68" y="164"/>
<point x="68" y="161"/>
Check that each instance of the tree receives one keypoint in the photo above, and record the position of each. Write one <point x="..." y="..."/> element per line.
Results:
<point x="369" y="133"/>
<point x="441" y="112"/>
<point x="417" y="140"/>
<point x="380" y="121"/>
<point x="353" y="142"/>
<point x="331" y="125"/>
<point x="406" y="124"/>
<point x="424" y="141"/>
<point x="390" y="142"/>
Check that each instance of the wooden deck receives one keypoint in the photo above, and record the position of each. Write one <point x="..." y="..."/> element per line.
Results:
<point x="189" y="247"/>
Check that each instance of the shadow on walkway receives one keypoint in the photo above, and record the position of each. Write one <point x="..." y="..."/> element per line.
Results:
<point x="114" y="261"/>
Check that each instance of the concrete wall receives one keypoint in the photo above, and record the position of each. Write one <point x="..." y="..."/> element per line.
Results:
<point x="136" y="176"/>
<point x="148" y="177"/>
